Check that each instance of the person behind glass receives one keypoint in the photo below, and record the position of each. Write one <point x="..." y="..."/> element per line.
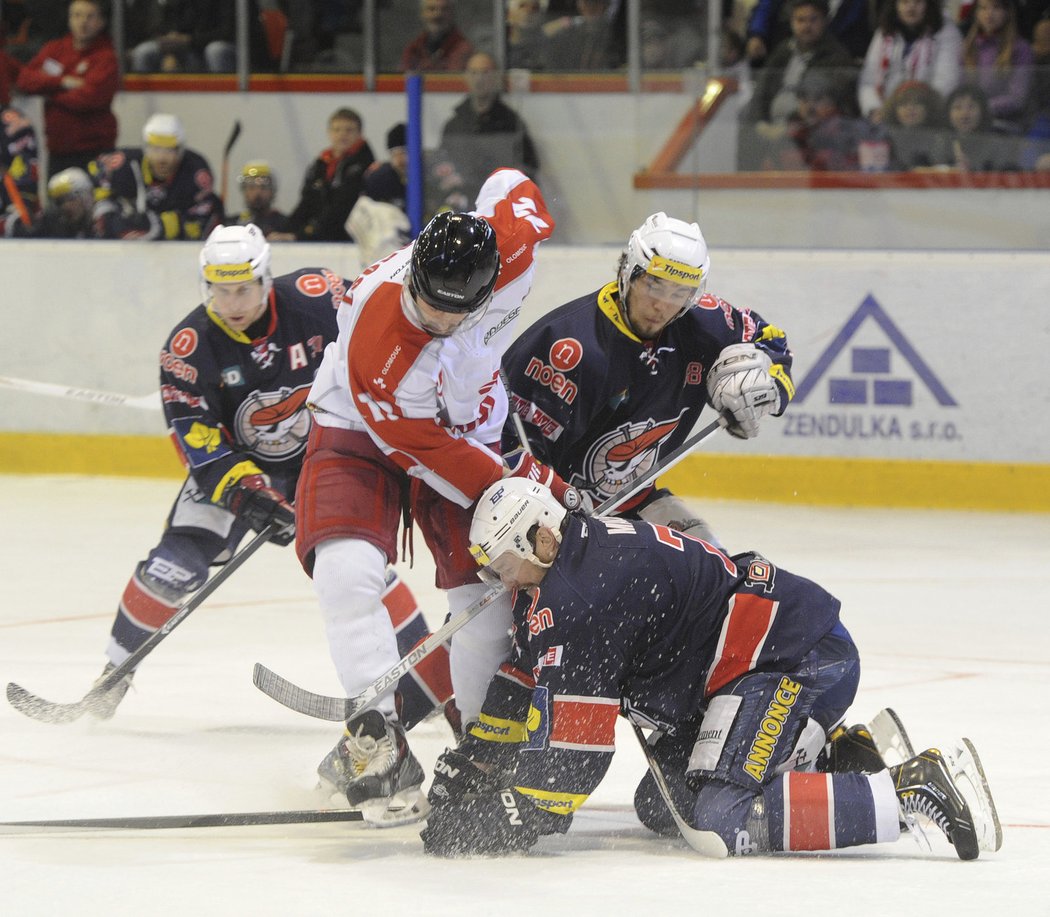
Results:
<point x="333" y="181"/>
<point x="970" y="144"/>
<point x="768" y="24"/>
<point x="484" y="132"/>
<point x="160" y="36"/>
<point x="161" y="190"/>
<point x="1035" y="149"/>
<point x="9" y="69"/>
<point x="441" y="46"/>
<point x="811" y="48"/>
<point x="77" y="77"/>
<point x="258" y="184"/>
<point x="589" y="42"/>
<point x="914" y="41"/>
<point x="913" y="118"/>
<point x="526" y="35"/>
<point x="68" y="215"/>
<point x="379" y="221"/>
<point x="19" y="170"/>
<point x="996" y="58"/>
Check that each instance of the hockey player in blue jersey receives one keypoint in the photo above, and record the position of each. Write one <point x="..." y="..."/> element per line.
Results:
<point x="234" y="378"/>
<point x="744" y="666"/>
<point x="608" y="383"/>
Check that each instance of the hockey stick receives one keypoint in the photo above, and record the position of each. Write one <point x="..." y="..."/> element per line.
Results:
<point x="234" y="134"/>
<point x="341" y="709"/>
<point x="17" y="200"/>
<point x="47" y="712"/>
<point x="157" y="822"/>
<point x="114" y="399"/>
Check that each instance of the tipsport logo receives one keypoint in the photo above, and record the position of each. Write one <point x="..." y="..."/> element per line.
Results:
<point x="871" y="383"/>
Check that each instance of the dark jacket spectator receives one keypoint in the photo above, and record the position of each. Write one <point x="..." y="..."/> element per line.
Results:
<point x="333" y="181"/>
<point x="77" y="76"/>
<point x="483" y="132"/>
<point x="768" y="24"/>
<point x="591" y="42"/>
<point x="441" y="45"/>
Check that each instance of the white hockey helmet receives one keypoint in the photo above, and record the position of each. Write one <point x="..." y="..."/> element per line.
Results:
<point x="235" y="254"/>
<point x="506" y="513"/>
<point x="669" y="249"/>
<point x="72" y="181"/>
<point x="164" y="131"/>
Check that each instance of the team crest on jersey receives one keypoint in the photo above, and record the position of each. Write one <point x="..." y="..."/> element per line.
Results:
<point x="623" y="455"/>
<point x="232" y="375"/>
<point x="264" y="354"/>
<point x="274" y="425"/>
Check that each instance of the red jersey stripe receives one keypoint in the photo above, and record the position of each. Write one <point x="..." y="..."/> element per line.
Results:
<point x="400" y="604"/>
<point x="145" y="609"/>
<point x="809" y="819"/>
<point x="584" y="722"/>
<point x="740" y="643"/>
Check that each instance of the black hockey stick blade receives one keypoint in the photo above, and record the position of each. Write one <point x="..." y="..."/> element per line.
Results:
<point x="234" y="134"/>
<point x="158" y="822"/>
<point x="46" y="711"/>
<point x="319" y="706"/>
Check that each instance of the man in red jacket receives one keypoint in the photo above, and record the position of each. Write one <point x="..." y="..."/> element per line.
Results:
<point x="77" y="76"/>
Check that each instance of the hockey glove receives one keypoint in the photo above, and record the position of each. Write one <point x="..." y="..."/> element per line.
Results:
<point x="257" y="503"/>
<point x="527" y="467"/>
<point x="457" y="778"/>
<point x="741" y="388"/>
<point x="499" y="821"/>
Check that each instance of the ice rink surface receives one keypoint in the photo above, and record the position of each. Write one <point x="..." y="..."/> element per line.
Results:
<point x="951" y="612"/>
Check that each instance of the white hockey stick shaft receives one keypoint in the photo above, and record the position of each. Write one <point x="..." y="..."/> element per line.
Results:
<point x="76" y="393"/>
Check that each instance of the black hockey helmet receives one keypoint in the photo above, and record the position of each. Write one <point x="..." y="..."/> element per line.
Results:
<point x="455" y="263"/>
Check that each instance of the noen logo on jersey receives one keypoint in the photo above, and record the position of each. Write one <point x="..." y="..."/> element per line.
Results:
<point x="675" y="271"/>
<point x="769" y="732"/>
<point x="228" y="273"/>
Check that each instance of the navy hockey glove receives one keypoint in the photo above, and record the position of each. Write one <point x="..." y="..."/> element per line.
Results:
<point x="257" y="503"/>
<point x="500" y="821"/>
<point x="527" y="467"/>
<point x="457" y="778"/>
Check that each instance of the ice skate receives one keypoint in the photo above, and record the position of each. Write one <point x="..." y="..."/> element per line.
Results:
<point x="925" y="788"/>
<point x="867" y="749"/>
<point x="104" y="706"/>
<point x="374" y="769"/>
<point x="968" y="775"/>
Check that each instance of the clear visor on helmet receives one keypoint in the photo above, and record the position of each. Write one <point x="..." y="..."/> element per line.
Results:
<point x="442" y="321"/>
<point x="673" y="282"/>
<point x="492" y="571"/>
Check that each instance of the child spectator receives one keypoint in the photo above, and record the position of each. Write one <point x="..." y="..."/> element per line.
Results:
<point x="333" y="181"/>
<point x="999" y="60"/>
<point x="970" y="144"/>
<point x="913" y="42"/>
<point x="914" y="120"/>
<point x="77" y="76"/>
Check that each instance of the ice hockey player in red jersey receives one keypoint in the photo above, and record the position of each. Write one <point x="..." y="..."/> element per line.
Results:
<point x="235" y="374"/>
<point x="408" y="410"/>
<point x="609" y="383"/>
<point x="741" y="667"/>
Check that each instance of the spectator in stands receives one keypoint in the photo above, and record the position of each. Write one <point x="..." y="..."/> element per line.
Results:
<point x="19" y="169"/>
<point x="913" y="42"/>
<point x="161" y="190"/>
<point x="970" y="145"/>
<point x="387" y="182"/>
<point x="9" y="68"/>
<point x="914" y="121"/>
<point x="818" y="136"/>
<point x="68" y="215"/>
<point x="333" y="181"/>
<point x="769" y="23"/>
<point x="78" y="77"/>
<point x="811" y="48"/>
<point x="526" y="35"/>
<point x="379" y="222"/>
<point x="996" y="58"/>
<point x="484" y="133"/>
<point x="258" y="183"/>
<point x="1035" y="151"/>
<point x="31" y="24"/>
<point x="590" y="42"/>
<point x="441" y="45"/>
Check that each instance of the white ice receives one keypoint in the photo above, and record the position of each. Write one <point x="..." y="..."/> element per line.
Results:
<point x="951" y="612"/>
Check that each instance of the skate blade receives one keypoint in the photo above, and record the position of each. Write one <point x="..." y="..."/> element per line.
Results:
<point x="890" y="737"/>
<point x="403" y="808"/>
<point x="968" y="774"/>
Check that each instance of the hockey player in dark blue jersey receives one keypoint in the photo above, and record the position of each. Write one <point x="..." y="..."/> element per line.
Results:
<point x="161" y="190"/>
<point x="235" y="376"/>
<point x="744" y="666"/>
<point x="612" y="381"/>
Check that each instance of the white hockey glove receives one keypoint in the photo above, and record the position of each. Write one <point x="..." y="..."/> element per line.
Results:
<point x="741" y="388"/>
